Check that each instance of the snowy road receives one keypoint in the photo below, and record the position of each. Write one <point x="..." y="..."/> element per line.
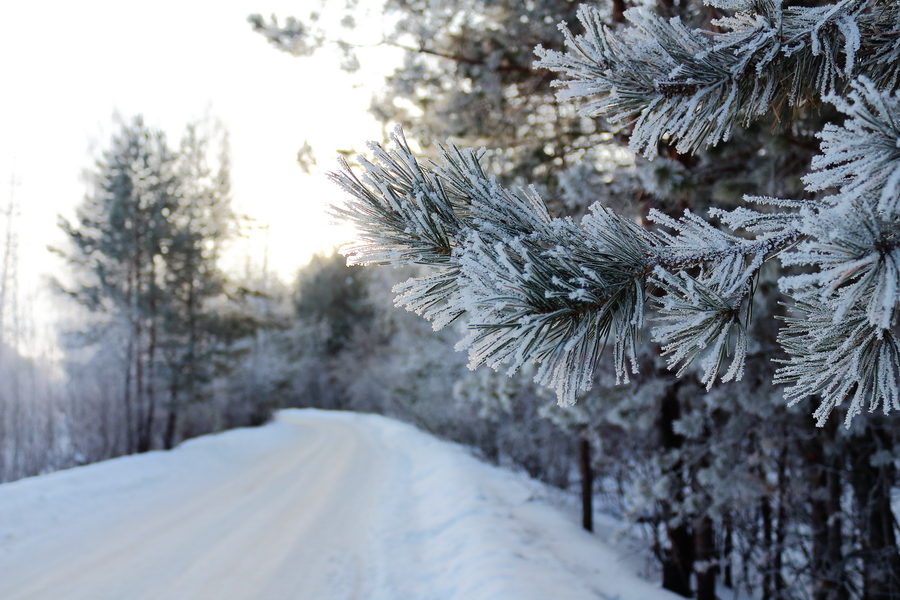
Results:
<point x="315" y="506"/>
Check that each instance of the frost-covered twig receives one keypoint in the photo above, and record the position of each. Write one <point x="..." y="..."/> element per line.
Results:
<point x="692" y="87"/>
<point x="533" y="288"/>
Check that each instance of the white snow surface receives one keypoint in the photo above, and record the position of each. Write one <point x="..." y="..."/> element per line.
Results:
<point x="316" y="505"/>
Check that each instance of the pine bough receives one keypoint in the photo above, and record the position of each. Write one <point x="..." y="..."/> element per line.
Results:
<point x="531" y="287"/>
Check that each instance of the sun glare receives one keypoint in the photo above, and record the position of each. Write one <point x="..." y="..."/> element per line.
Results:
<point x="174" y="62"/>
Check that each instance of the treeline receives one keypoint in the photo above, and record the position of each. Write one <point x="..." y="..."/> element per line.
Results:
<point x="157" y="343"/>
<point x="144" y="251"/>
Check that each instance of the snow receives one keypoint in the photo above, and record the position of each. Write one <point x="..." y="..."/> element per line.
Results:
<point x="315" y="505"/>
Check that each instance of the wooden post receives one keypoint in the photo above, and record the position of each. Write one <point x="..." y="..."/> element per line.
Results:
<point x="587" y="483"/>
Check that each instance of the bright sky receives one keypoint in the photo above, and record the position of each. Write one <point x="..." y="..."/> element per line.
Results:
<point x="68" y="66"/>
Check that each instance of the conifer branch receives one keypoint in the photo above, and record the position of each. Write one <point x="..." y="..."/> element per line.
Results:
<point x="692" y="87"/>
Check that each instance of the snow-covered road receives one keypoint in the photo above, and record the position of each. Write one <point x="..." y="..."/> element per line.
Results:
<point x="314" y="506"/>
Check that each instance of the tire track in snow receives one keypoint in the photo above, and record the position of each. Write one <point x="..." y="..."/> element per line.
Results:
<point x="264" y="533"/>
<point x="316" y="506"/>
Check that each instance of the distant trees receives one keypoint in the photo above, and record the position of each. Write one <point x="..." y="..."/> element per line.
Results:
<point x="167" y="346"/>
<point x="144" y="248"/>
<point x="196" y="332"/>
<point x="334" y="297"/>
<point x="32" y="437"/>
<point x="345" y="347"/>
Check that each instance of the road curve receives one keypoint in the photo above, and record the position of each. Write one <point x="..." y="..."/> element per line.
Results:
<point x="294" y="524"/>
<point x="316" y="506"/>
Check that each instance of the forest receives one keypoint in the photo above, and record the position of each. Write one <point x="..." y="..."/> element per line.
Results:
<point x="656" y="260"/>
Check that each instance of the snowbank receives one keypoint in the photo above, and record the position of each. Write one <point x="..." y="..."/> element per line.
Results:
<point x="314" y="505"/>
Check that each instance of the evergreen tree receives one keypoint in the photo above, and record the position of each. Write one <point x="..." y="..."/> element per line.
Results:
<point x="333" y="297"/>
<point x="716" y="98"/>
<point x="144" y="248"/>
<point x="118" y="241"/>
<point x="202" y="222"/>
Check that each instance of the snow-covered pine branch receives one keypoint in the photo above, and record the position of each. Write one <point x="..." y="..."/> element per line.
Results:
<point x="402" y="211"/>
<point x="861" y="157"/>
<point x="691" y="87"/>
<point x="531" y="287"/>
<point x="557" y="305"/>
<point x="700" y="317"/>
<point x="839" y="359"/>
<point x="404" y="216"/>
<point x="845" y="344"/>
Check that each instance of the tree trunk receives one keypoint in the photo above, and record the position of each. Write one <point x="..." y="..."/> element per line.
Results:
<point x="765" y="513"/>
<point x="171" y="426"/>
<point x="172" y="419"/>
<point x="727" y="550"/>
<point x="587" y="483"/>
<point x="834" y="556"/>
<point x="146" y="441"/>
<point x="130" y="438"/>
<point x="618" y="11"/>
<point x="678" y="560"/>
<point x="872" y="489"/>
<point x="139" y="385"/>
<point x="780" y="527"/>
<point x="130" y="444"/>
<point x="705" y="548"/>
<point x="826" y="566"/>
<point x="678" y="563"/>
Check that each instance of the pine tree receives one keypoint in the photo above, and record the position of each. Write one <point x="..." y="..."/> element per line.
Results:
<point x="549" y="290"/>
<point x="200" y="225"/>
<point x="118" y="241"/>
<point x="730" y="85"/>
<point x="332" y="297"/>
<point x="144" y="248"/>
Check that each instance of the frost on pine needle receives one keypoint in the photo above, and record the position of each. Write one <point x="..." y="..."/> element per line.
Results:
<point x="434" y="297"/>
<point x="693" y="87"/>
<point x="855" y="250"/>
<point x="696" y="241"/>
<point x="404" y="217"/>
<point x="558" y="306"/>
<point x="702" y="318"/>
<point x="401" y="210"/>
<point x="861" y="157"/>
<point x="493" y="209"/>
<point x="836" y="360"/>
<point x="777" y="224"/>
<point x="844" y="343"/>
<point x="884" y="47"/>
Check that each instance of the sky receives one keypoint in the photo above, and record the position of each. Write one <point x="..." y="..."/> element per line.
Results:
<point x="69" y="67"/>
